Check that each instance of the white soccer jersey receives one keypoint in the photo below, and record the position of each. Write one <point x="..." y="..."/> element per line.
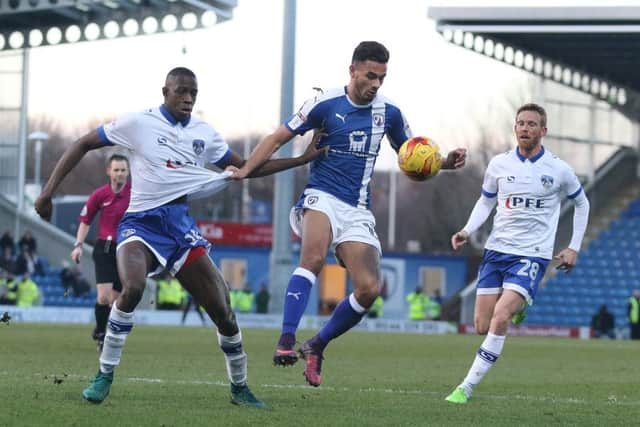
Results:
<point x="530" y="193"/>
<point x="167" y="157"/>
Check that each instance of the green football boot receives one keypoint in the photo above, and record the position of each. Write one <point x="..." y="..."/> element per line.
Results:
<point x="519" y="316"/>
<point x="242" y="396"/>
<point x="99" y="388"/>
<point x="457" y="396"/>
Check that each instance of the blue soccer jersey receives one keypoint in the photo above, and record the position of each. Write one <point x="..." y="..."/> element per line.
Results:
<point x="354" y="133"/>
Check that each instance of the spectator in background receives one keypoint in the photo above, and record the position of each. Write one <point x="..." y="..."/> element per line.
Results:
<point x="436" y="296"/>
<point x="633" y="311"/>
<point x="6" y="241"/>
<point x="418" y="303"/>
<point x="262" y="300"/>
<point x="603" y="323"/>
<point x="8" y="262"/>
<point x="28" y="293"/>
<point x="245" y="300"/>
<point x="434" y="308"/>
<point x="234" y="296"/>
<point x="170" y="293"/>
<point x="27" y="262"/>
<point x="8" y="288"/>
<point x="28" y="239"/>
<point x="72" y="278"/>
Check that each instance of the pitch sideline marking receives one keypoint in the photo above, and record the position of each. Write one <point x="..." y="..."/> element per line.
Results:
<point x="612" y="400"/>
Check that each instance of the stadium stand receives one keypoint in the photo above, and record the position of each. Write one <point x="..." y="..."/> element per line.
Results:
<point x="607" y="273"/>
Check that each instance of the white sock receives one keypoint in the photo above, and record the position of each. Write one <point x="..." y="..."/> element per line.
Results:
<point x="118" y="328"/>
<point x="486" y="356"/>
<point x="234" y="357"/>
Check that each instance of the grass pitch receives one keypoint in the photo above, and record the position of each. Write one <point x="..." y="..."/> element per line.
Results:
<point x="176" y="377"/>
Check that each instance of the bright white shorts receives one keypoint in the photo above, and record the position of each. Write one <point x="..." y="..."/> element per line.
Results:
<point x="348" y="223"/>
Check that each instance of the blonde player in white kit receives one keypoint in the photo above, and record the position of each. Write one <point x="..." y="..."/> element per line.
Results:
<point x="528" y="184"/>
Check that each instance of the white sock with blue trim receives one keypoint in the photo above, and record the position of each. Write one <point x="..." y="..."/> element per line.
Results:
<point x="486" y="356"/>
<point x="118" y="328"/>
<point x="235" y="358"/>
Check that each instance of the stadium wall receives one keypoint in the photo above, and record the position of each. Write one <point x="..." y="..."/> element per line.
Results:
<point x="76" y="315"/>
<point x="402" y="272"/>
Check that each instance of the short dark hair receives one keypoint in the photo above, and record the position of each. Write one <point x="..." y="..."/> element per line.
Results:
<point x="181" y="72"/>
<point x="117" y="158"/>
<point x="370" y="51"/>
<point x="538" y="109"/>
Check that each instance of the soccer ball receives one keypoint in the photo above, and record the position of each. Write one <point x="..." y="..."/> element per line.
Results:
<point x="419" y="158"/>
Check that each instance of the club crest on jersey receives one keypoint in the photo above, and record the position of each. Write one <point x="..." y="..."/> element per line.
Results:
<point x="162" y="140"/>
<point x="312" y="200"/>
<point x="378" y="119"/>
<point x="198" y="146"/>
<point x="547" y="181"/>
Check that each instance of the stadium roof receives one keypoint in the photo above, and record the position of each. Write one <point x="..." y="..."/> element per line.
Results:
<point x="593" y="49"/>
<point x="31" y="23"/>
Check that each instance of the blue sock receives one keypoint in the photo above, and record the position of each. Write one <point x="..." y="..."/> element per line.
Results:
<point x="346" y="315"/>
<point x="296" y="299"/>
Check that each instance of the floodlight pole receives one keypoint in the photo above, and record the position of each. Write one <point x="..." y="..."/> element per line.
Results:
<point x="393" y="189"/>
<point x="22" y="141"/>
<point x="38" y="138"/>
<point x="281" y="261"/>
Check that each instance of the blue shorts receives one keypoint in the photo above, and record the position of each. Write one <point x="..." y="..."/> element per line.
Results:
<point x="168" y="231"/>
<point x="521" y="274"/>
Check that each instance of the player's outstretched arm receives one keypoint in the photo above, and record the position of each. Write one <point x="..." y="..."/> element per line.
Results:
<point x="312" y="152"/>
<point x="263" y="151"/>
<point x="67" y="162"/>
<point x="455" y="159"/>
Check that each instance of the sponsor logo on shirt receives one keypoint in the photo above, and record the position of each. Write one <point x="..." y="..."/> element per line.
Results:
<point x="177" y="164"/>
<point x="526" y="202"/>
<point x="162" y="140"/>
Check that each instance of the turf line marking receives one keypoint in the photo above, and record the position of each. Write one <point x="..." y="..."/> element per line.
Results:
<point x="612" y="400"/>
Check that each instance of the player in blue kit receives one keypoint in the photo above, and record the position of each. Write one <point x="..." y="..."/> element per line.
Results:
<point x="169" y="149"/>
<point x="333" y="211"/>
<point x="528" y="184"/>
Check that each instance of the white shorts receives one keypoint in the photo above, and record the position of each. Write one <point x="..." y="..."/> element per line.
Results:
<point x="348" y="223"/>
